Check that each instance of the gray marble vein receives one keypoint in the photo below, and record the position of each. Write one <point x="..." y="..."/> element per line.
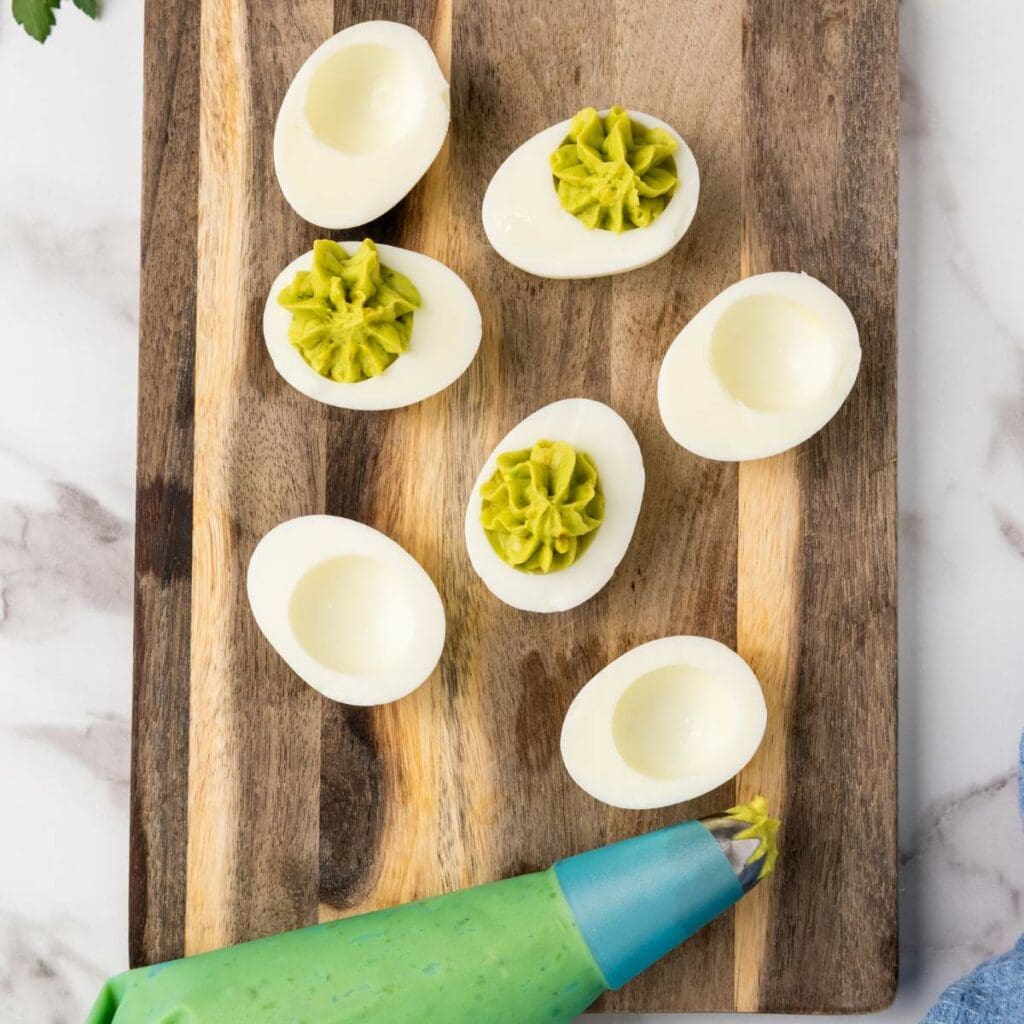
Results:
<point x="101" y="746"/>
<point x="55" y="558"/>
<point x="99" y="262"/>
<point x="42" y="966"/>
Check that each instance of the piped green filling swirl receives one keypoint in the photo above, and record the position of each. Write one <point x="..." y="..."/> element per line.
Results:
<point x="542" y="506"/>
<point x="351" y="317"/>
<point x="613" y="174"/>
<point x="762" y="827"/>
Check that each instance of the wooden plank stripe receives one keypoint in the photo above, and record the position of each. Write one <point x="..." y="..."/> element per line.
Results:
<point x="224" y="160"/>
<point x="821" y="96"/>
<point x="259" y="459"/>
<point x="681" y="566"/>
<point x="768" y="631"/>
<point x="403" y="744"/>
<point x="163" y="510"/>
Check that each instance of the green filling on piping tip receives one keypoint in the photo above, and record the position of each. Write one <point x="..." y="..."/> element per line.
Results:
<point x="762" y="827"/>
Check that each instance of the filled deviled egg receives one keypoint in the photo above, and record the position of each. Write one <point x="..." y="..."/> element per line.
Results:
<point x="554" y="507"/>
<point x="601" y="193"/>
<point x="363" y="326"/>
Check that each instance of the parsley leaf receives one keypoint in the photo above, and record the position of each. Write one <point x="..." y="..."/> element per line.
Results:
<point x="35" y="16"/>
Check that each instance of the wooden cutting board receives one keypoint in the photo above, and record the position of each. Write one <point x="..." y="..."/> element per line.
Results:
<point x="259" y="806"/>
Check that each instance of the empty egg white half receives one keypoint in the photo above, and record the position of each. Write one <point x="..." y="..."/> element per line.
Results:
<point x="763" y="366"/>
<point x="446" y="332"/>
<point x="361" y="122"/>
<point x="527" y="225"/>
<point x="600" y="432"/>
<point x="352" y="613"/>
<point x="665" y="722"/>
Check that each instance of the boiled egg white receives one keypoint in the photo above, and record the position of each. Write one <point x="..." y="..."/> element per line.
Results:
<point x="361" y="122"/>
<point x="527" y="225"/>
<point x="446" y="332"/>
<point x="601" y="433"/>
<point x="352" y="613"/>
<point x="763" y="366"/>
<point x="665" y="722"/>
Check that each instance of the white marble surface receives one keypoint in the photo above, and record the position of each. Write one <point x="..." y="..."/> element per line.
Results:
<point x="69" y="201"/>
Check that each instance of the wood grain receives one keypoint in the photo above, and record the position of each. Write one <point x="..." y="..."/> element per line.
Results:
<point x="820" y="196"/>
<point x="163" y="545"/>
<point x="257" y="805"/>
<point x="259" y="458"/>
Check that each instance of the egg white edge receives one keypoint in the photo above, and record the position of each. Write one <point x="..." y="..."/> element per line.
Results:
<point x="287" y="552"/>
<point x="443" y="334"/>
<point x="607" y="252"/>
<point x="599" y="431"/>
<point x="588" y="723"/>
<point x="767" y="433"/>
<point x="291" y="130"/>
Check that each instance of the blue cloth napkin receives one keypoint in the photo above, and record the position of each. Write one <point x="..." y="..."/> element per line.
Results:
<point x="994" y="992"/>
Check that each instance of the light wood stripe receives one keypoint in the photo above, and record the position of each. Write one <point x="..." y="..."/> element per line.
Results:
<point x="768" y="617"/>
<point x="414" y="737"/>
<point x="221" y="344"/>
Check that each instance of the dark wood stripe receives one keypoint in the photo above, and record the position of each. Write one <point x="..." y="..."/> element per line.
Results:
<point x="163" y="513"/>
<point x="352" y="805"/>
<point x="352" y="791"/>
<point x="545" y="340"/>
<point x="821" y="98"/>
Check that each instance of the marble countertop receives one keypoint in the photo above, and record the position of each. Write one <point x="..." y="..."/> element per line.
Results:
<point x="69" y="219"/>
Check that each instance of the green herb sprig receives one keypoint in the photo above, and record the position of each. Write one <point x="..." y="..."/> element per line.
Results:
<point x="37" y="18"/>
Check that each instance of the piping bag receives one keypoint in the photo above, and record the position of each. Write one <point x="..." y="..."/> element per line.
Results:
<point x="536" y="948"/>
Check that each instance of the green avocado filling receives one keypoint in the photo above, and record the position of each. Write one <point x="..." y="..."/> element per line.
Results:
<point x="351" y="317"/>
<point x="613" y="174"/>
<point x="761" y="826"/>
<point x="542" y="506"/>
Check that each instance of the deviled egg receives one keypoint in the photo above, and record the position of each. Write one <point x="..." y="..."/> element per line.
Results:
<point x="361" y="122"/>
<point x="665" y="722"/>
<point x="363" y="326"/>
<point x="601" y="193"/>
<point x="763" y="366"/>
<point x="352" y="613"/>
<point x="554" y="507"/>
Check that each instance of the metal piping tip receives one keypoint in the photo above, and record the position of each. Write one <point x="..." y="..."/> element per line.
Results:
<point x="746" y="835"/>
